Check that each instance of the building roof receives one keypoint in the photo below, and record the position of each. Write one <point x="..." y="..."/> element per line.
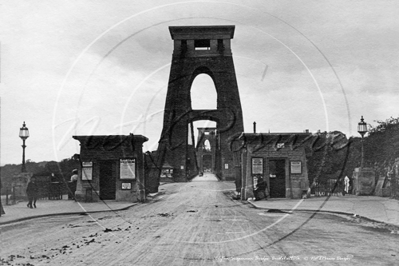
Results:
<point x="275" y="136"/>
<point x="313" y="141"/>
<point x="202" y="32"/>
<point x="94" y="140"/>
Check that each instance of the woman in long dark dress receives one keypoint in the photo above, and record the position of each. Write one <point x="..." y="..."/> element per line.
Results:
<point x="260" y="189"/>
<point x="31" y="191"/>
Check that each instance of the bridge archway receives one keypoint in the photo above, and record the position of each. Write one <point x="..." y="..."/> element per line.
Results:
<point x="203" y="92"/>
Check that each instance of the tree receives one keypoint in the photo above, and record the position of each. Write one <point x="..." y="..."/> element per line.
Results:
<point x="381" y="146"/>
<point x="332" y="160"/>
<point x="61" y="170"/>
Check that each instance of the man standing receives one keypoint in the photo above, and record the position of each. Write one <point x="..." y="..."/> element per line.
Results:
<point x="32" y="191"/>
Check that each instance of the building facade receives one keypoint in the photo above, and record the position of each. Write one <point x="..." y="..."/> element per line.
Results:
<point x="277" y="158"/>
<point x="112" y="168"/>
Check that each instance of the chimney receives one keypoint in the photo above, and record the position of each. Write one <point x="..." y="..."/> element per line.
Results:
<point x="254" y="127"/>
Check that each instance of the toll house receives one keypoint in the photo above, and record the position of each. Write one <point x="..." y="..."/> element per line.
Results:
<point x="279" y="158"/>
<point x="112" y="168"/>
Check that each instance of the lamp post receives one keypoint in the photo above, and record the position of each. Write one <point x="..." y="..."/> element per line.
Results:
<point x="362" y="129"/>
<point x="23" y="134"/>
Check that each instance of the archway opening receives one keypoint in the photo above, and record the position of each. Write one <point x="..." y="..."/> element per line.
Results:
<point x="206" y="147"/>
<point x="199" y="125"/>
<point x="203" y="93"/>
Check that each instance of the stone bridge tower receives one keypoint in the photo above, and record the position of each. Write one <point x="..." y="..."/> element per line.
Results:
<point x="200" y="50"/>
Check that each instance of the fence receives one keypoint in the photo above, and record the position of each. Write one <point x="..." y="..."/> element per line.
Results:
<point x="46" y="190"/>
<point x="328" y="188"/>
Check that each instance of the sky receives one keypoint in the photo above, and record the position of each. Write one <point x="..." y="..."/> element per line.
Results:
<point x="80" y="67"/>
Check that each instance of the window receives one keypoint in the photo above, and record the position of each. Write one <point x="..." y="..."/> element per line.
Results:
<point x="184" y="46"/>
<point x="202" y="44"/>
<point x="220" y="45"/>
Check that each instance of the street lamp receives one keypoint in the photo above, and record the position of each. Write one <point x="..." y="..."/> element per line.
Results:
<point x="23" y="134"/>
<point x="362" y="129"/>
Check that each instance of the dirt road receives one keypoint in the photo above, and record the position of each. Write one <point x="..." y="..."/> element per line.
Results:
<point x="196" y="223"/>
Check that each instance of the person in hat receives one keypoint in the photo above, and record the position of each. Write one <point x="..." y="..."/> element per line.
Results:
<point x="74" y="181"/>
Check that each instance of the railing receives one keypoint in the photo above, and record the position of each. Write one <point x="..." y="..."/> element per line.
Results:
<point x="46" y="190"/>
<point x="329" y="188"/>
<point x="56" y="190"/>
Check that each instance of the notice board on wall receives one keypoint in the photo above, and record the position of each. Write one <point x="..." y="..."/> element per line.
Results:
<point x="127" y="169"/>
<point x="257" y="166"/>
<point x="296" y="167"/>
<point x="87" y="170"/>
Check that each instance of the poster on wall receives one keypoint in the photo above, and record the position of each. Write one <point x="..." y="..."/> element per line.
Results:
<point x="126" y="186"/>
<point x="296" y="167"/>
<point x="257" y="166"/>
<point x="87" y="170"/>
<point x="127" y="169"/>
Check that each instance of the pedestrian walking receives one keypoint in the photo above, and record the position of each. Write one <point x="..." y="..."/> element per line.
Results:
<point x="32" y="191"/>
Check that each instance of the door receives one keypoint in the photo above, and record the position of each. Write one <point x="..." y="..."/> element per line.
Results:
<point x="107" y="180"/>
<point x="277" y="178"/>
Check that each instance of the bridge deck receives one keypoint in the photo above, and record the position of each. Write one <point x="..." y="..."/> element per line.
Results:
<point x="205" y="177"/>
